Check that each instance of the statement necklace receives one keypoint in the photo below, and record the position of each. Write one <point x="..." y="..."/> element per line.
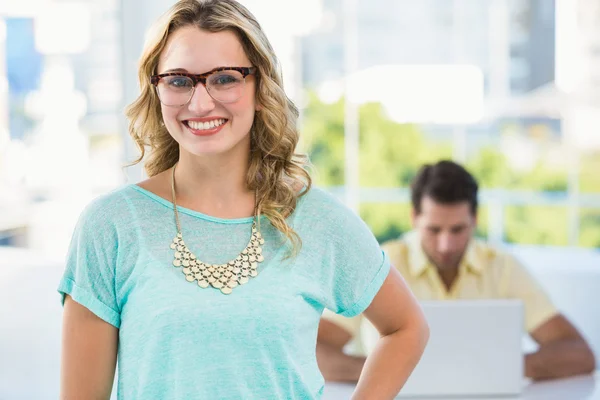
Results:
<point x="224" y="277"/>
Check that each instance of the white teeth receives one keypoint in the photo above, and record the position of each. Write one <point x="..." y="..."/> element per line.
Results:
<point x="206" y="125"/>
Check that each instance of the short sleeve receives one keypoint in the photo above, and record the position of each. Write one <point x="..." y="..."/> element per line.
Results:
<point x="358" y="265"/>
<point x="89" y="276"/>
<point x="350" y="325"/>
<point x="520" y="284"/>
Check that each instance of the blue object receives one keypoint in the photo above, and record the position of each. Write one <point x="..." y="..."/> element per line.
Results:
<point x="180" y="341"/>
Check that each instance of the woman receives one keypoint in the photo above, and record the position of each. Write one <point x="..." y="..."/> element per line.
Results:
<point x="208" y="279"/>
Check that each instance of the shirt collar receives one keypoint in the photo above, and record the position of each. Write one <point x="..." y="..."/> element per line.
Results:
<point x="419" y="263"/>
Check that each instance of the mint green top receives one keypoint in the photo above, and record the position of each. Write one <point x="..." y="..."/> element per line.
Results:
<point x="180" y="341"/>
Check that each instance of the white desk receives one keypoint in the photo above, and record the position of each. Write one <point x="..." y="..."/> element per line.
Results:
<point x="577" y="388"/>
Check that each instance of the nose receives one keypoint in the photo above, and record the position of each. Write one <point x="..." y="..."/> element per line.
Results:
<point x="201" y="102"/>
<point x="445" y="243"/>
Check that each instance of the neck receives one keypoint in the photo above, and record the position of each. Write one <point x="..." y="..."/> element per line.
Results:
<point x="215" y="186"/>
<point x="448" y="275"/>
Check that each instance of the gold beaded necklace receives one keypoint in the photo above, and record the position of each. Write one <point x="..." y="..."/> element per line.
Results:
<point x="224" y="277"/>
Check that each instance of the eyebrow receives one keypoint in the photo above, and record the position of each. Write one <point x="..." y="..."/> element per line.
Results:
<point x="175" y="70"/>
<point x="187" y="72"/>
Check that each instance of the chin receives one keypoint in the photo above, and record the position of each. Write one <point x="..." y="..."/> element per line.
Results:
<point x="445" y="264"/>
<point x="213" y="145"/>
<point x="209" y="148"/>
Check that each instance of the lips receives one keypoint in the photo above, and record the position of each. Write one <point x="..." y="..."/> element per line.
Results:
<point x="205" y="127"/>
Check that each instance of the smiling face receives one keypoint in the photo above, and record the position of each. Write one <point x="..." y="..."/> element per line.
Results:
<point x="205" y="126"/>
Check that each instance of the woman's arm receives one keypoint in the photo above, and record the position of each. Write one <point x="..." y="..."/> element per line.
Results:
<point x="89" y="354"/>
<point x="404" y="333"/>
<point x="335" y="365"/>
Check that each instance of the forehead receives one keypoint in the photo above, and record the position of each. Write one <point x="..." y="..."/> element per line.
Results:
<point x="451" y="213"/>
<point x="198" y="51"/>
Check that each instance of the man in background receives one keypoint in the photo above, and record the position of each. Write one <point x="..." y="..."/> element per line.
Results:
<point x="440" y="260"/>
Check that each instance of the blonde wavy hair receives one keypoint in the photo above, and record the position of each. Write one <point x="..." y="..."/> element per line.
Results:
<point x="275" y="171"/>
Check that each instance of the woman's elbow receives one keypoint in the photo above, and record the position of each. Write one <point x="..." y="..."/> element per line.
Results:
<point x="423" y="329"/>
<point x="590" y="362"/>
<point x="417" y="329"/>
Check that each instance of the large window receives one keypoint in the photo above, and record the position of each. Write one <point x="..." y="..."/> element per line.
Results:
<point x="383" y="87"/>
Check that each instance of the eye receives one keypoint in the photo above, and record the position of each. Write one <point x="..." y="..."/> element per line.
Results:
<point x="225" y="79"/>
<point x="458" y="229"/>
<point x="179" y="82"/>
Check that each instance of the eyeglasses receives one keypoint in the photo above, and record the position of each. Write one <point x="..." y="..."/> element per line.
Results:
<point x="224" y="84"/>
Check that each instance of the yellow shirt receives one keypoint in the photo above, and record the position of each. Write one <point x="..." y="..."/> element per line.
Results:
<point x="484" y="273"/>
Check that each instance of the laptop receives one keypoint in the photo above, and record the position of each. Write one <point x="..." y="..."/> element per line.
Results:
<point x="474" y="349"/>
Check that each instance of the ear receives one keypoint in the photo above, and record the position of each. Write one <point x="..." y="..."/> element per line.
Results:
<point x="258" y="107"/>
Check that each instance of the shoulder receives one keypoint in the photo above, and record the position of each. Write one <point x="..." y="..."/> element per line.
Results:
<point x="493" y="256"/>
<point x="323" y="204"/>
<point x="488" y="251"/>
<point x="323" y="220"/>
<point x="317" y="197"/>
<point x="107" y="209"/>
<point x="319" y="208"/>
